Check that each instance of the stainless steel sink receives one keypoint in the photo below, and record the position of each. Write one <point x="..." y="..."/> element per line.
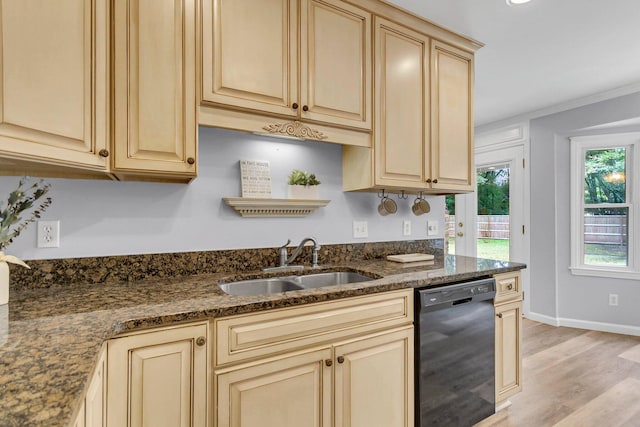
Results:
<point x="333" y="278"/>
<point x="291" y="283"/>
<point x="259" y="286"/>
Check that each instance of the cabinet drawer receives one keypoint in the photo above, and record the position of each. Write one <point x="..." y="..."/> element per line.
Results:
<point x="508" y="286"/>
<point x="254" y="335"/>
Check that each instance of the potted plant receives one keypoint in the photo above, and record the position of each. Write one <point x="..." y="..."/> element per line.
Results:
<point x="302" y="185"/>
<point x="21" y="200"/>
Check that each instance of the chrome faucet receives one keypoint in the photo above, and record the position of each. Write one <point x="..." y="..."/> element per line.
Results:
<point x="285" y="260"/>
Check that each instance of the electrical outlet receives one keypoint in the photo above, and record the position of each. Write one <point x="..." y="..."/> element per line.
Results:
<point x="48" y="234"/>
<point x="406" y="227"/>
<point x="613" y="299"/>
<point x="360" y="230"/>
<point x="432" y="228"/>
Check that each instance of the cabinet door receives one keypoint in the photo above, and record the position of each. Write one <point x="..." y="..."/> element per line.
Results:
<point x="95" y="399"/>
<point x="290" y="391"/>
<point x="158" y="378"/>
<point x="452" y="164"/>
<point x="335" y="53"/>
<point x="401" y="108"/>
<point x="79" y="421"/>
<point x="249" y="54"/>
<point x="508" y="349"/>
<point x="374" y="381"/>
<point x="155" y="96"/>
<point x="54" y="96"/>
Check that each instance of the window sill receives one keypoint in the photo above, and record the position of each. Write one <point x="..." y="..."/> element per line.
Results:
<point x="605" y="272"/>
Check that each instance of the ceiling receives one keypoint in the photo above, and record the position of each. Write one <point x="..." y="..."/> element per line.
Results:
<point x="542" y="53"/>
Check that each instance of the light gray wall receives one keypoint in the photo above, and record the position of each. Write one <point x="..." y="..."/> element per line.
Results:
<point x="118" y="218"/>
<point x="555" y="292"/>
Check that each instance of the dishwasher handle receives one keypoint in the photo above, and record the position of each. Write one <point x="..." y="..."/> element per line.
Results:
<point x="460" y="293"/>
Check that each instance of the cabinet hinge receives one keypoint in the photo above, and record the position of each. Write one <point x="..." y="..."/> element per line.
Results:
<point x="522" y="163"/>
<point x="523" y="229"/>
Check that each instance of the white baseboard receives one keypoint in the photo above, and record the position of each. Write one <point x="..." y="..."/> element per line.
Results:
<point x="585" y="324"/>
<point x="542" y="318"/>
<point x="600" y="326"/>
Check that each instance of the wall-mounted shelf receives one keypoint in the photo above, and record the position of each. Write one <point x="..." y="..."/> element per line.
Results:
<point x="263" y="208"/>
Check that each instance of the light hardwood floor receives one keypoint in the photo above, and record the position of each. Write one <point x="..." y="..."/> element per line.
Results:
<point x="575" y="378"/>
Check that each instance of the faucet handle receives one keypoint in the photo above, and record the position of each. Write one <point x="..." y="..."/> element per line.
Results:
<point x="282" y="254"/>
<point x="285" y="245"/>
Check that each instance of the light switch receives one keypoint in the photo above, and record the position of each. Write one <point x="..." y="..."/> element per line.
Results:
<point x="432" y="228"/>
<point x="360" y="230"/>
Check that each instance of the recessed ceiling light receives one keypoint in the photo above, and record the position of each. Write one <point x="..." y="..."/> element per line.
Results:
<point x="517" y="2"/>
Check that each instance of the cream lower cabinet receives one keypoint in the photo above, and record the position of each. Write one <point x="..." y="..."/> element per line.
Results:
<point x="342" y="363"/>
<point x="155" y="121"/>
<point x="367" y="382"/>
<point x="158" y="378"/>
<point x="508" y="324"/>
<point x="374" y="381"/>
<point x="54" y="102"/>
<point x="291" y="390"/>
<point x="92" y="411"/>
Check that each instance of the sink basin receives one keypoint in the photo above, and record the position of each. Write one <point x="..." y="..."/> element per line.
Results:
<point x="291" y="283"/>
<point x="333" y="278"/>
<point x="259" y="286"/>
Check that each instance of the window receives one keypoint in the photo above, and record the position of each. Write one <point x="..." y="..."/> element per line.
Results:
<point x="604" y="201"/>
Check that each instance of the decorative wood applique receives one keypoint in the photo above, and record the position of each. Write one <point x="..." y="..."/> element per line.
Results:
<point x="296" y="129"/>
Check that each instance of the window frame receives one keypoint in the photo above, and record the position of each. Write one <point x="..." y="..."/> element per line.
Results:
<point x="579" y="146"/>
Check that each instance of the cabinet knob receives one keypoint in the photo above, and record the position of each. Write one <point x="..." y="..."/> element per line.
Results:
<point x="499" y="315"/>
<point x="294" y="105"/>
<point x="340" y="359"/>
<point x="200" y="341"/>
<point x="103" y="153"/>
<point x="428" y="181"/>
<point x="460" y="234"/>
<point x="510" y="286"/>
<point x="461" y="224"/>
<point x="435" y="181"/>
<point x="191" y="160"/>
<point x="305" y="108"/>
<point x="328" y="362"/>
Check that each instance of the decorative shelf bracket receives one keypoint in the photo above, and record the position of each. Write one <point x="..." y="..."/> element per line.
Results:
<point x="265" y="208"/>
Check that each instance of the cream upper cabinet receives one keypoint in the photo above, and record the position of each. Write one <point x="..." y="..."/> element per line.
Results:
<point x="294" y="390"/>
<point x="250" y="54"/>
<point x="155" y="121"/>
<point x="54" y="98"/>
<point x="298" y="68"/>
<point x="452" y="165"/>
<point x="374" y="381"/>
<point x="335" y="53"/>
<point x="158" y="378"/>
<point x="423" y="136"/>
<point x="400" y="158"/>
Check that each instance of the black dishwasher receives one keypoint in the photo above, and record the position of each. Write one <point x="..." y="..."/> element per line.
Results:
<point x="455" y="354"/>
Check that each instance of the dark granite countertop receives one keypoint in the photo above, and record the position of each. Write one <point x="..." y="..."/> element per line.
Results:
<point x="50" y="338"/>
